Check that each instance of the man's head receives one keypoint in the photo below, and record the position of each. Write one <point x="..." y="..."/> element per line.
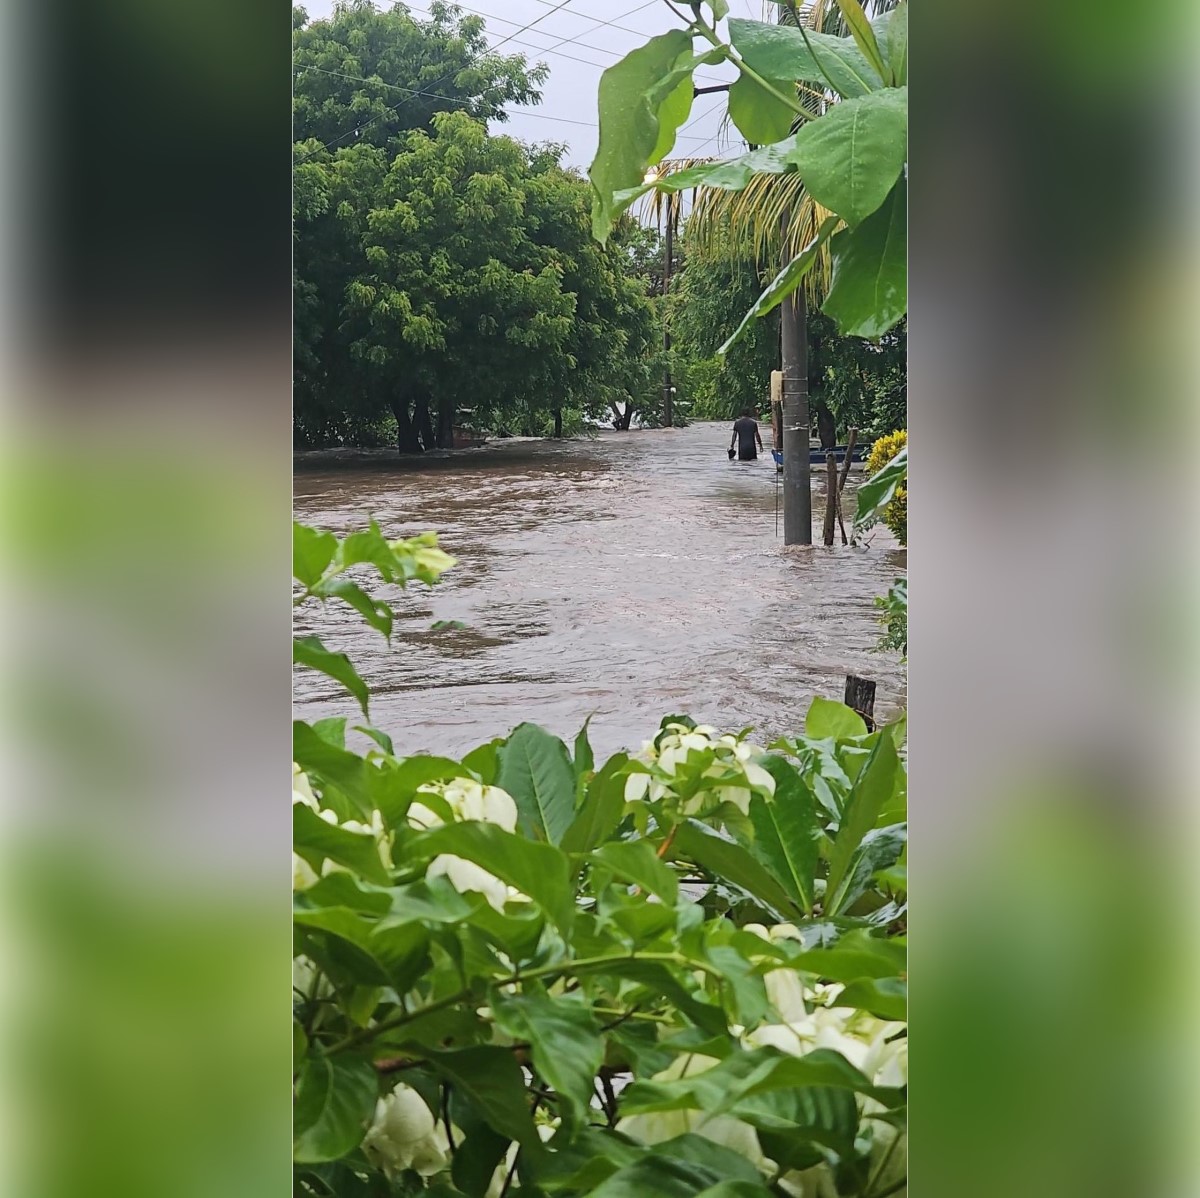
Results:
<point x="746" y="412"/>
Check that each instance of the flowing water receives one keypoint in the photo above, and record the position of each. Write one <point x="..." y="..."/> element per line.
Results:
<point x="622" y="577"/>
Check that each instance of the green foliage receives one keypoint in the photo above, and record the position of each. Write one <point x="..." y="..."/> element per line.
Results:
<point x="883" y="495"/>
<point x="849" y="151"/>
<point x="682" y="972"/>
<point x="893" y="615"/>
<point x="437" y="265"/>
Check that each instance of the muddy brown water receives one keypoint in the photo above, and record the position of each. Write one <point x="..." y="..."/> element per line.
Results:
<point x="622" y="577"/>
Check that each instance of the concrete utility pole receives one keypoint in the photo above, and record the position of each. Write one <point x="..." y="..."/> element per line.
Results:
<point x="668" y="252"/>
<point x="797" y="492"/>
<point x="797" y="488"/>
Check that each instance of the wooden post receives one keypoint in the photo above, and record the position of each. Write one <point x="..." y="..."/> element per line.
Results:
<point x="831" y="496"/>
<point x="850" y="439"/>
<point x="841" y="522"/>
<point x="860" y="697"/>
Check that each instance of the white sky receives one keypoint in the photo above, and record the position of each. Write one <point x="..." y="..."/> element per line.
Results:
<point x="569" y="94"/>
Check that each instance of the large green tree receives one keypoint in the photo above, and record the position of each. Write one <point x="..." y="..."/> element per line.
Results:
<point x="439" y="269"/>
<point x="463" y="277"/>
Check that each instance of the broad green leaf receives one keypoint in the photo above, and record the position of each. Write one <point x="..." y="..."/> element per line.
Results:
<point x="891" y="31"/>
<point x="733" y="174"/>
<point x="299" y="1043"/>
<point x="736" y="1189"/>
<point x="355" y="956"/>
<point x="538" y="870"/>
<point x="314" y="840"/>
<point x="783" y="52"/>
<point x="864" y="35"/>
<point x="785" y="832"/>
<point x="316" y="756"/>
<point x="491" y="1080"/>
<point x="760" y="117"/>
<point x="309" y="651"/>
<point x="744" y="1074"/>
<point x="869" y="289"/>
<point x="340" y="888"/>
<point x="585" y="759"/>
<point x="637" y="862"/>
<point x="701" y="1151"/>
<point x="853" y="956"/>
<point x="334" y="1099"/>
<point x="485" y="761"/>
<point x="393" y="785"/>
<point x="663" y="984"/>
<point x="876" y="493"/>
<point x="791" y="1122"/>
<point x="600" y="810"/>
<point x="885" y="998"/>
<point x="376" y="613"/>
<point x="631" y="127"/>
<point x="312" y="551"/>
<point x="851" y="157"/>
<point x="332" y="729"/>
<point x="827" y="718"/>
<point x="785" y="282"/>
<point x="875" y="784"/>
<point x="564" y="1040"/>
<point x="742" y="988"/>
<point x="536" y="770"/>
<point x="662" y="1177"/>
<point x="380" y="737"/>
<point x="720" y="9"/>
<point x="480" y="1151"/>
<point x="880" y="849"/>
<point x="729" y="862"/>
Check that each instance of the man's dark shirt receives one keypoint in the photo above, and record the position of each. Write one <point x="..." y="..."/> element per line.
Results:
<point x="747" y="435"/>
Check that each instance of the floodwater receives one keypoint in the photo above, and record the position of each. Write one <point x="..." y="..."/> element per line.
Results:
<point x="621" y="577"/>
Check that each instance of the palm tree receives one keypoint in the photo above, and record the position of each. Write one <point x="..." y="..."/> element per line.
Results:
<point x="771" y="221"/>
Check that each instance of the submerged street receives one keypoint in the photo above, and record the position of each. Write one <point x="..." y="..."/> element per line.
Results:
<point x="618" y="577"/>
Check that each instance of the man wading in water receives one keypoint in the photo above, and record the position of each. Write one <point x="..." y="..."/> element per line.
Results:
<point x="745" y="433"/>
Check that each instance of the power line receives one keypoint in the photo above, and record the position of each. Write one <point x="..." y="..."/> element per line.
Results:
<point x="358" y="129"/>
<point x="537" y="21"/>
<point x="542" y="116"/>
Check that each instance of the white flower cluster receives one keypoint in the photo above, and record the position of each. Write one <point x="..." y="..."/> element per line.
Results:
<point x="466" y="800"/>
<point x="733" y="767"/>
<point x="810" y="1018"/>
<point x="405" y="1135"/>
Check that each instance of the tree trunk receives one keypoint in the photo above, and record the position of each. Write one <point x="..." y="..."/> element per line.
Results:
<point x="445" y="425"/>
<point x="424" y="424"/>
<point x="626" y="416"/>
<point x="406" y="432"/>
<point x="558" y="422"/>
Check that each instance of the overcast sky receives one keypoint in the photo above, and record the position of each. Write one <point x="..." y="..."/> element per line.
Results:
<point x="577" y="42"/>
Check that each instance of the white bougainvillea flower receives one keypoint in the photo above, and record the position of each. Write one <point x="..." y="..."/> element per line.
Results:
<point x="303" y="874"/>
<point x="302" y="789"/>
<point x="403" y="1135"/>
<point x="467" y="800"/>
<point x="657" y="1127"/>
<point x="467" y="877"/>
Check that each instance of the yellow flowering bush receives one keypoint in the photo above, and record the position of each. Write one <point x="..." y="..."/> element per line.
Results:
<point x="882" y="452"/>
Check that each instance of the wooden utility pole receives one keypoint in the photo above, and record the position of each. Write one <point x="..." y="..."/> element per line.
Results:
<point x="668" y="251"/>
<point x="831" y="496"/>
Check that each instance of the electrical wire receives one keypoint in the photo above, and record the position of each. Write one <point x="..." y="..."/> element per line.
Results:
<point x="542" y="116"/>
